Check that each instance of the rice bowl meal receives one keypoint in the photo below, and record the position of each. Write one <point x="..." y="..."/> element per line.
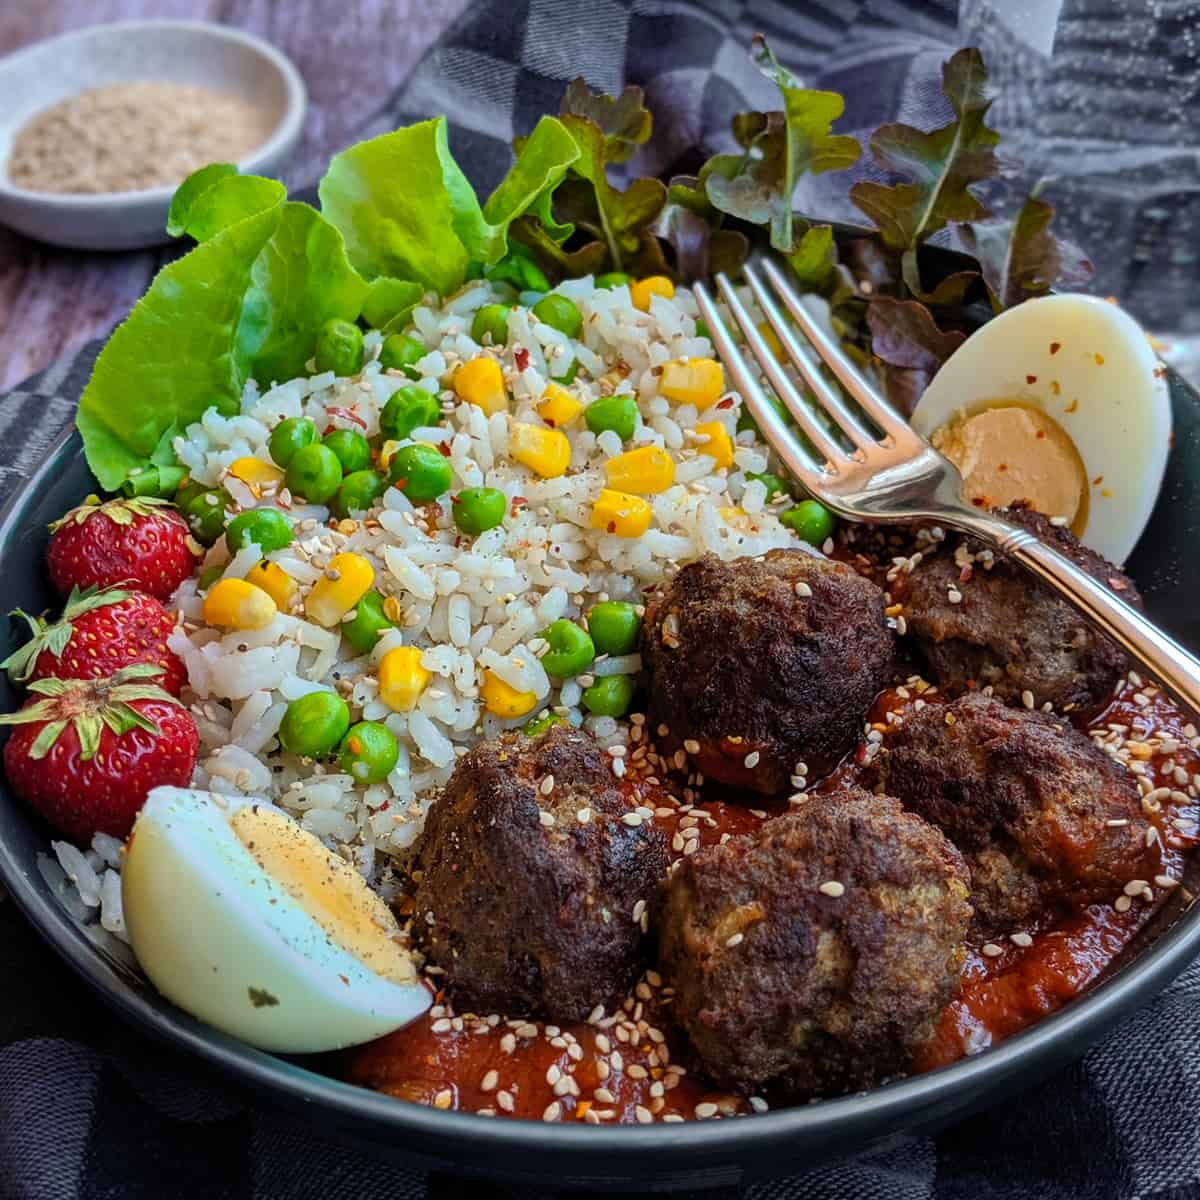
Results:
<point x="454" y="679"/>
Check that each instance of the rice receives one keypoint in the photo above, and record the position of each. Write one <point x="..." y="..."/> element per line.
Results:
<point x="469" y="605"/>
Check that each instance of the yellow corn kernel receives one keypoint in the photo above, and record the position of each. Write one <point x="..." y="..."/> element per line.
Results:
<point x="698" y="381"/>
<point x="719" y="444"/>
<point x="644" y="471"/>
<point x="505" y="701"/>
<point x="546" y="452"/>
<point x="236" y="604"/>
<point x="254" y="470"/>
<point x="481" y="382"/>
<point x="772" y="339"/>
<point x="346" y="581"/>
<point x="387" y="452"/>
<point x="401" y="677"/>
<point x="622" y="514"/>
<point x="641" y="290"/>
<point x="558" y="407"/>
<point x="276" y="582"/>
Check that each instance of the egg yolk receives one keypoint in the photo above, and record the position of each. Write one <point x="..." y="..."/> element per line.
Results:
<point x="328" y="888"/>
<point x="1014" y="453"/>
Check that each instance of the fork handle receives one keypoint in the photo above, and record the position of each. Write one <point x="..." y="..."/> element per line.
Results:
<point x="1159" y="655"/>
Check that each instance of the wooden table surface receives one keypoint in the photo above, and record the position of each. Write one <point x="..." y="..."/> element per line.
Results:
<point x="51" y="299"/>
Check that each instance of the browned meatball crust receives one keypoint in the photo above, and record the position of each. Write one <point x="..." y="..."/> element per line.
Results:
<point x="1040" y="813"/>
<point x="524" y="903"/>
<point x="1008" y="631"/>
<point x="772" y="659"/>
<point x="790" y="990"/>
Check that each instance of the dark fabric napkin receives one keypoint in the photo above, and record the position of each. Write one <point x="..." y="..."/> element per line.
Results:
<point x="89" y="1108"/>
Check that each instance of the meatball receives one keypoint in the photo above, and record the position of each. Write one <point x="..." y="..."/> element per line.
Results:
<point x="815" y="955"/>
<point x="765" y="662"/>
<point x="1008" y="631"/>
<point x="528" y="877"/>
<point x="1041" y="814"/>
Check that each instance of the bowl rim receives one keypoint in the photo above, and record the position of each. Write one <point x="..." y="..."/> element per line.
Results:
<point x="875" y="1114"/>
<point x="282" y="136"/>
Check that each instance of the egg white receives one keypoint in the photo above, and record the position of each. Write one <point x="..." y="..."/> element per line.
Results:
<point x="1103" y="385"/>
<point x="219" y="938"/>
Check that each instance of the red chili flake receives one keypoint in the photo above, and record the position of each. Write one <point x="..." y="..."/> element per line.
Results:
<point x="444" y="447"/>
<point x="521" y="358"/>
<point x="1055" y="347"/>
<point x="1072" y="406"/>
<point x="1098" y="481"/>
<point x="1041" y="433"/>
<point x="347" y="415"/>
<point x="1159" y="372"/>
<point x="400" y="483"/>
<point x="328" y="430"/>
<point x="344" y="978"/>
<point x="979" y="501"/>
<point x="384" y="806"/>
<point x="548" y="422"/>
<point x="612" y="527"/>
<point x="726" y="403"/>
<point x="1031" y="379"/>
<point x="964" y="576"/>
<point x="1002" y="467"/>
<point x="518" y="502"/>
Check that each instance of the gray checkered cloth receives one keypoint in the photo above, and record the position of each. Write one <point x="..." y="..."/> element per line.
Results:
<point x="90" y="1109"/>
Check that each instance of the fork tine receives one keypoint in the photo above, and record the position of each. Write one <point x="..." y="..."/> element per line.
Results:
<point x="794" y="456"/>
<point x="817" y="433"/>
<point x="826" y="393"/>
<point x="832" y="354"/>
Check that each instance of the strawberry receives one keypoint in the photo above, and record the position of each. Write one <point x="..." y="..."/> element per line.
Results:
<point x="142" y="542"/>
<point x="85" y="753"/>
<point x="99" y="633"/>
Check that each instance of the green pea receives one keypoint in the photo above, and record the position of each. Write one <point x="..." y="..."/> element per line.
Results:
<point x="568" y="376"/>
<point x="314" y="724"/>
<point x="339" y="347"/>
<point x="491" y="319"/>
<point x="208" y="577"/>
<point x="267" y="528"/>
<point x="363" y="629"/>
<point x="614" y="626"/>
<point x="400" y="352"/>
<point x="612" y="279"/>
<point x="205" y="515"/>
<point x="314" y="473"/>
<point x="421" y="472"/>
<point x="478" y="509"/>
<point x="358" y="493"/>
<point x="616" y="413"/>
<point x="188" y="493"/>
<point x="352" y="449"/>
<point x="289" y="436"/>
<point x="571" y="649"/>
<point x="746" y="419"/>
<point x="610" y="696"/>
<point x="810" y="521"/>
<point x="368" y="752"/>
<point x="539" y="725"/>
<point x="772" y="482"/>
<point x="406" y="410"/>
<point x="559" y="313"/>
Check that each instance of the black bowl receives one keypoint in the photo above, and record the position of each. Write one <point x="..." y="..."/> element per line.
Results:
<point x="689" y="1154"/>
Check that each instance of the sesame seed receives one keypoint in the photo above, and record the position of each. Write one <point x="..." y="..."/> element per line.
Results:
<point x="508" y="1043"/>
<point x="1027" y="698"/>
<point x="527" y="1029"/>
<point x="705" y="1110"/>
<point x="604" y="1096"/>
<point x="602" y="1043"/>
<point x="832" y="887"/>
<point x="441" y="1025"/>
<point x="691" y="746"/>
<point x="547" y="785"/>
<point x="735" y="940"/>
<point x="1135" y="887"/>
<point x="443" y="1099"/>
<point x="632" y="819"/>
<point x="636" y="1071"/>
<point x="802" y="589"/>
<point x="954" y="595"/>
<point x="643" y="1115"/>
<point x="553" y="1112"/>
<point x="1116" y="823"/>
<point x="553" y="1074"/>
<point x="751" y="759"/>
<point x="1123" y="904"/>
<point x="758" y="1104"/>
<point x="489" y="1081"/>
<point x="546" y="819"/>
<point x="1166" y="881"/>
<point x="991" y="949"/>
<point x="1020" y="939"/>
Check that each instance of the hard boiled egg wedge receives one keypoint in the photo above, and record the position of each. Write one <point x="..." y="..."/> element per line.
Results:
<point x="245" y="920"/>
<point x="1059" y="401"/>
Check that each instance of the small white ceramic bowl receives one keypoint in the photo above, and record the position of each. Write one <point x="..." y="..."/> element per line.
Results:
<point x="184" y="52"/>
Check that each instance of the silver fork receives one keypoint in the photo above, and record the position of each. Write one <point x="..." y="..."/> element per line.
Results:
<point x="894" y="475"/>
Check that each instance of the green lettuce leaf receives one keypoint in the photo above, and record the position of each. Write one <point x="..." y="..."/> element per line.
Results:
<point x="208" y="202"/>
<point x="780" y="147"/>
<point x="407" y="211"/>
<point x="624" y="120"/>
<point x="176" y="354"/>
<point x="388" y="303"/>
<point x="1022" y="258"/>
<point x="943" y="166"/>
<point x="300" y="279"/>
